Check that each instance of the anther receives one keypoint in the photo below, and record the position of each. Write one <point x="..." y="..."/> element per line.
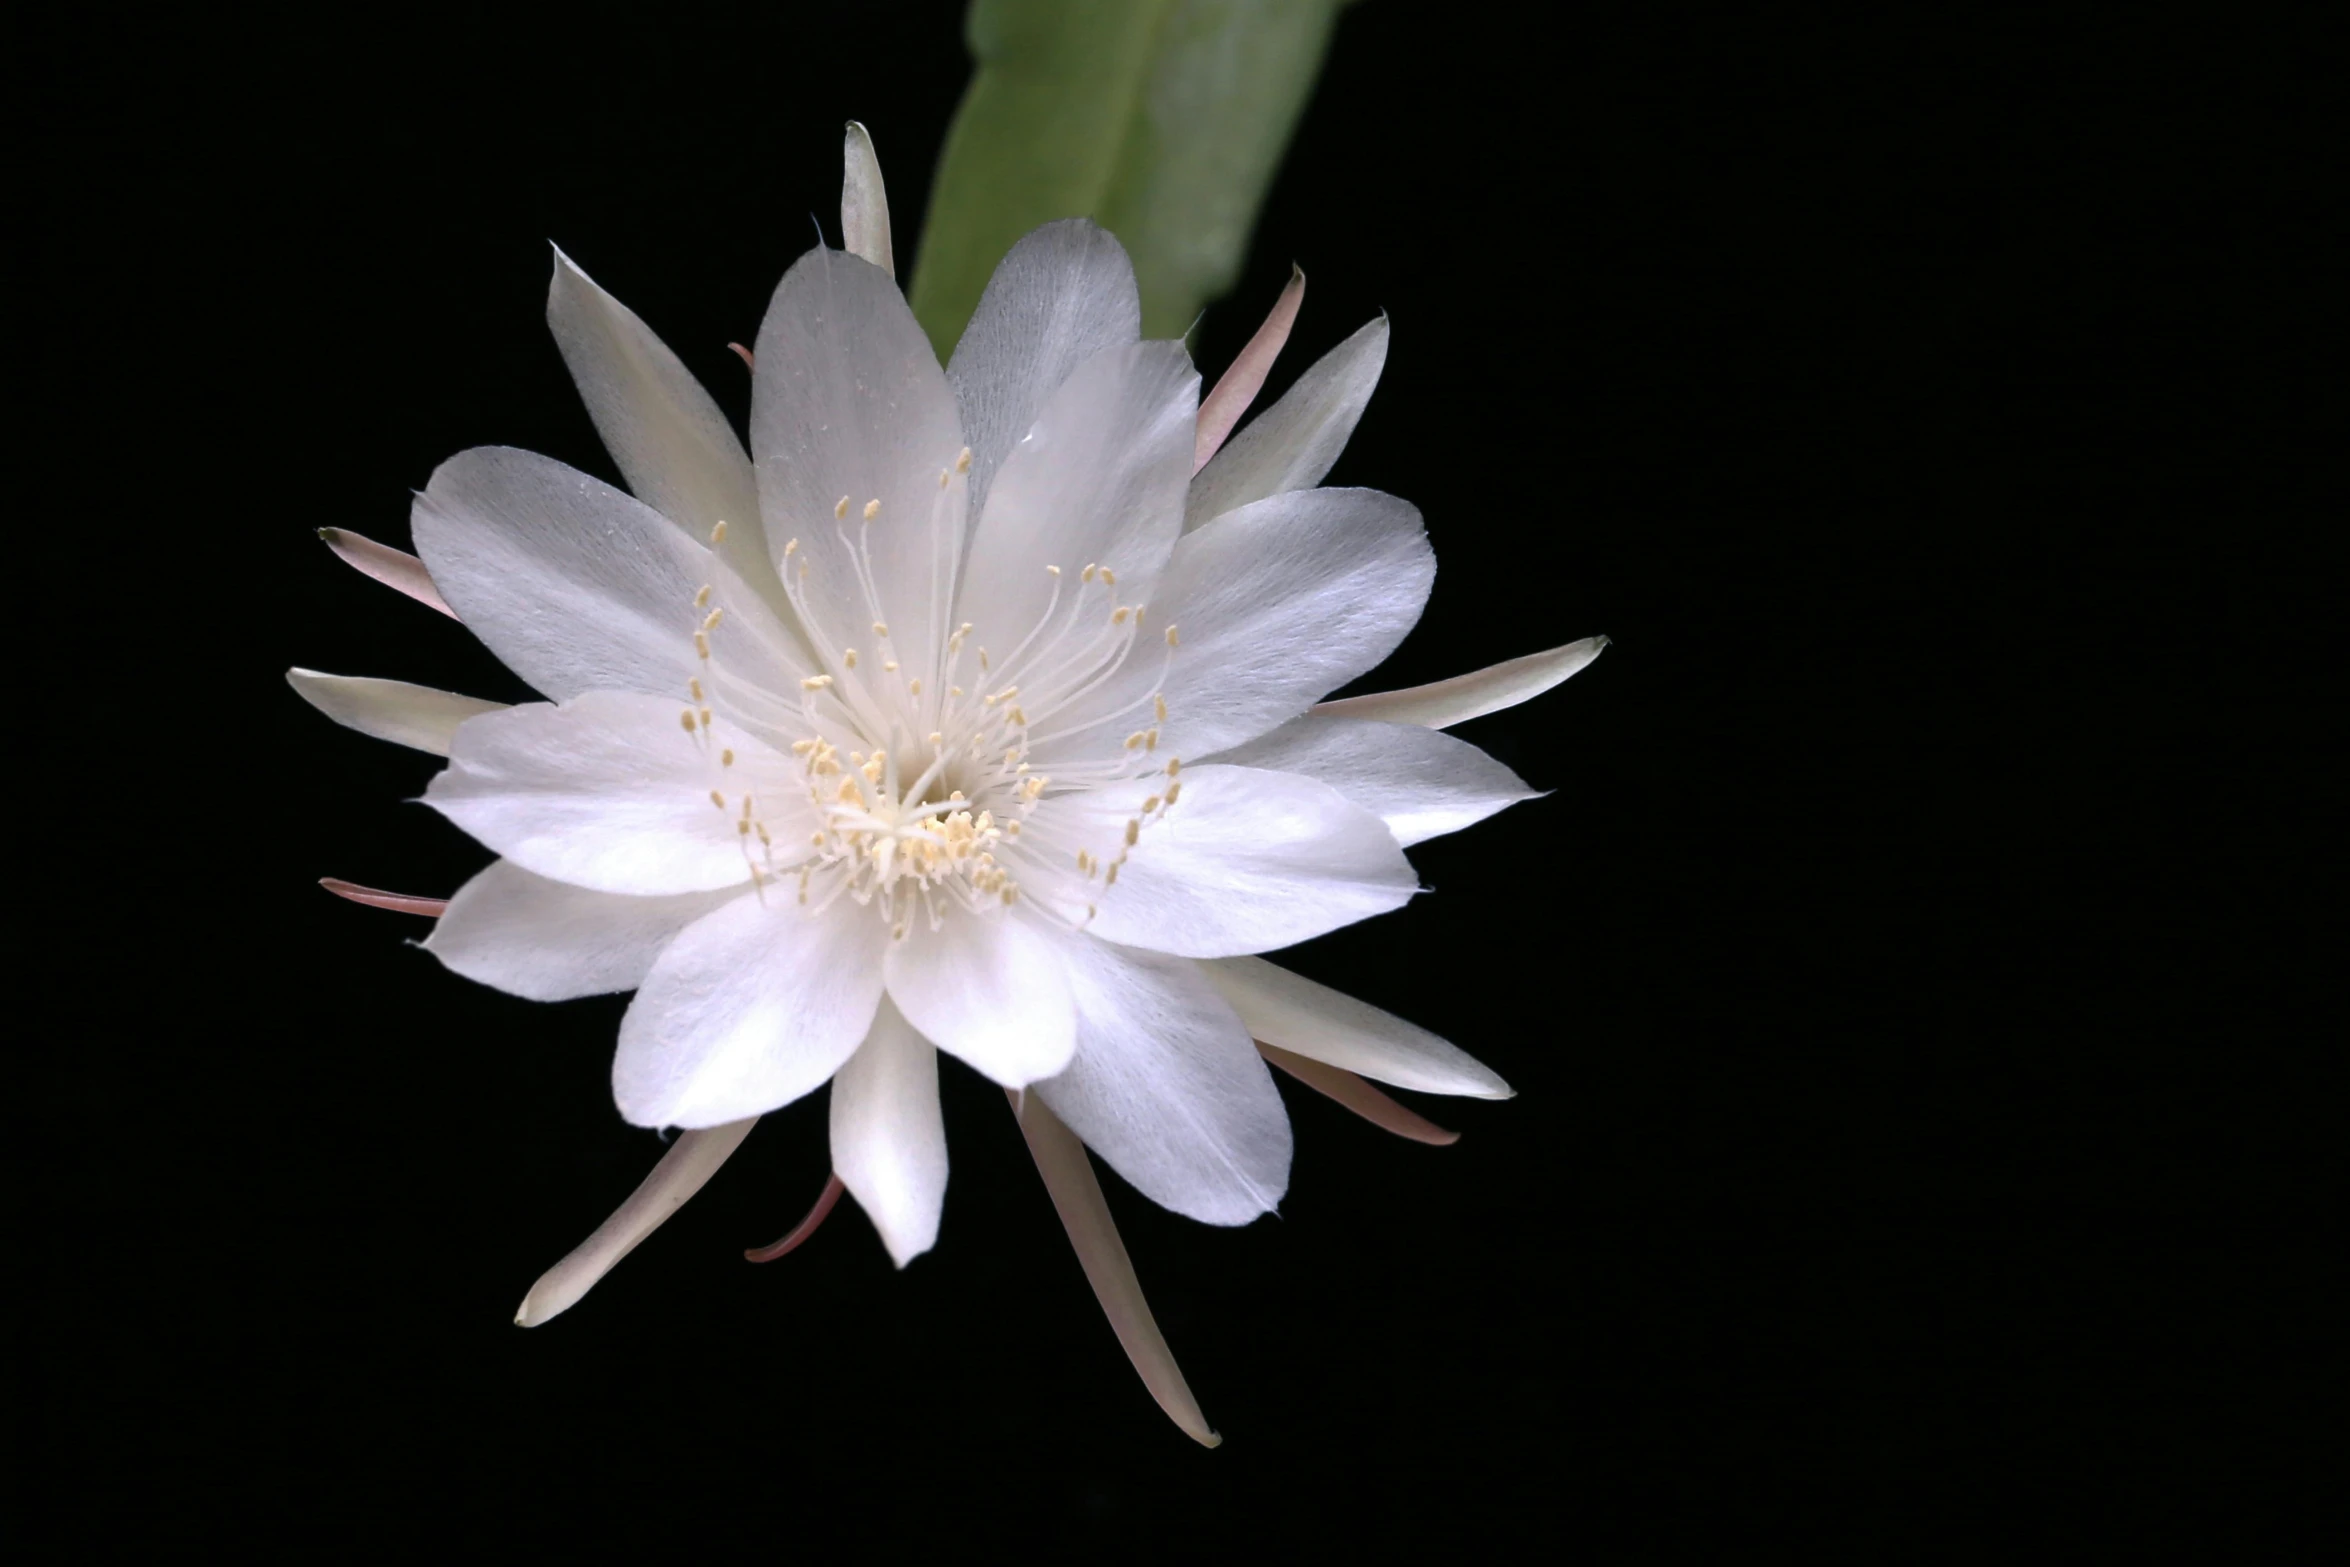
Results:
<point x="702" y="645"/>
<point x="1171" y="642"/>
<point x="1150" y="805"/>
<point x="726" y="757"/>
<point x="704" y="715"/>
<point x="1133" y="831"/>
<point x="849" y="657"/>
<point x="943" y="476"/>
<point x="791" y="549"/>
<point x="963" y="460"/>
<point x="710" y="621"/>
<point x="841" y="509"/>
<point x="1159" y="708"/>
<point x="702" y="596"/>
<point x="1173" y="790"/>
<point x="1109" y="576"/>
<point x="881" y="628"/>
<point x="695" y="686"/>
<point x="688" y="717"/>
<point x="718" y="799"/>
<point x="872" y="510"/>
<point x="1087" y="574"/>
<point x="815" y="682"/>
<point x="718" y="533"/>
<point x="1055" y="570"/>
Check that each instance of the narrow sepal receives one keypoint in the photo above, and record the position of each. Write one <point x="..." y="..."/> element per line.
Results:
<point x="690" y="1161"/>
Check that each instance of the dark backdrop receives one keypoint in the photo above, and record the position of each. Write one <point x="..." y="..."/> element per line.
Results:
<point x="1901" y="396"/>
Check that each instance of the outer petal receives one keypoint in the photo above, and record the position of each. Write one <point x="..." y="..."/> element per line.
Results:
<point x="575" y="586"/>
<point x="415" y="716"/>
<point x="674" y="447"/>
<point x="1292" y="444"/>
<point x="889" y="1142"/>
<point x="1293" y="1013"/>
<point x="1245" y="861"/>
<point x="1098" y="478"/>
<point x="1167" y="1087"/>
<point x="992" y="989"/>
<point x="1274" y="605"/>
<point x="1443" y="703"/>
<point x="550" y="941"/>
<point x="864" y="201"/>
<point x="690" y="1162"/>
<point x="1059" y="297"/>
<point x="1421" y="783"/>
<point x="848" y="403"/>
<point x="607" y="792"/>
<point x="749" y="1008"/>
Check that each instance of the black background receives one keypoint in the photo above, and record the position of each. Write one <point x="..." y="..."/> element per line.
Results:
<point x="1901" y="982"/>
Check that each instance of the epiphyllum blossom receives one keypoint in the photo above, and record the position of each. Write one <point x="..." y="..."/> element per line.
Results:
<point x="972" y="709"/>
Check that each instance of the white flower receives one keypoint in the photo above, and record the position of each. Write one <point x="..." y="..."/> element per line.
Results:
<point x="971" y="709"/>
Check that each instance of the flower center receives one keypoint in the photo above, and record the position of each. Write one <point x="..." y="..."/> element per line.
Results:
<point x="922" y="778"/>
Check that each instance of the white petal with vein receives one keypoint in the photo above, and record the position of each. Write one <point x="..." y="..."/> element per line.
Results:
<point x="1418" y="781"/>
<point x="1168" y="1088"/>
<point x="550" y="941"/>
<point x="889" y="1141"/>
<point x="750" y="1007"/>
<point x="1245" y="861"/>
<point x="992" y="990"/>
<point x="608" y="792"/>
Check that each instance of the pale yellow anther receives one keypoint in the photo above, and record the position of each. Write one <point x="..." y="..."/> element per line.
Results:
<point x="848" y="657"/>
<point x="881" y="628"/>
<point x="702" y="646"/>
<point x="936" y="739"/>
<point x="890" y="665"/>
<point x="742" y="829"/>
<point x="841" y="508"/>
<point x="815" y="682"/>
<point x="718" y="799"/>
<point x="718" y="532"/>
<point x="1111" y="880"/>
<point x="1174" y="765"/>
<point x="695" y="686"/>
<point x="1087" y="574"/>
<point x="726" y="757"/>
<point x="792" y="548"/>
<point x="1171" y="642"/>
<point x="1150" y="805"/>
<point x="802" y="747"/>
<point x="1135" y="739"/>
<point x="1173" y="790"/>
<point x="1055" y="570"/>
<point x="688" y="716"/>
<point x="1150" y="740"/>
<point x="704" y="715"/>
<point x="914" y="687"/>
<point x="710" y="621"/>
<point x="1019" y="718"/>
<point x="1119" y="615"/>
<point x="702" y="596"/>
<point x="983" y="661"/>
<point x="963" y="460"/>
<point x="872" y="510"/>
<point x="1133" y="831"/>
<point x="1109" y="576"/>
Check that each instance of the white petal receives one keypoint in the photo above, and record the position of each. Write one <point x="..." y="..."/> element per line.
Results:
<point x="889" y="1141"/>
<point x="550" y="941"/>
<point x="1444" y="703"/>
<point x="673" y="445"/>
<point x="1274" y="605"/>
<point x="864" y="206"/>
<point x="1168" y="1088"/>
<point x="749" y="1008"/>
<point x="1421" y="783"/>
<point x="415" y="716"/>
<point x="1292" y="444"/>
<point x="1245" y="861"/>
<point x="577" y="587"/>
<point x="1093" y="1235"/>
<point x="690" y="1162"/>
<point x="1098" y="478"/>
<point x="1293" y="1013"/>
<point x="848" y="403"/>
<point x="992" y="989"/>
<point x="607" y="791"/>
<point x="1060" y="296"/>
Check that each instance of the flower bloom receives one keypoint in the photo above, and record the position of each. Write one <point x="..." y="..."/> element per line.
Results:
<point x="971" y="709"/>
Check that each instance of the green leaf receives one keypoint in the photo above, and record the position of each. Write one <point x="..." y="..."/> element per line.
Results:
<point x="1162" y="120"/>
